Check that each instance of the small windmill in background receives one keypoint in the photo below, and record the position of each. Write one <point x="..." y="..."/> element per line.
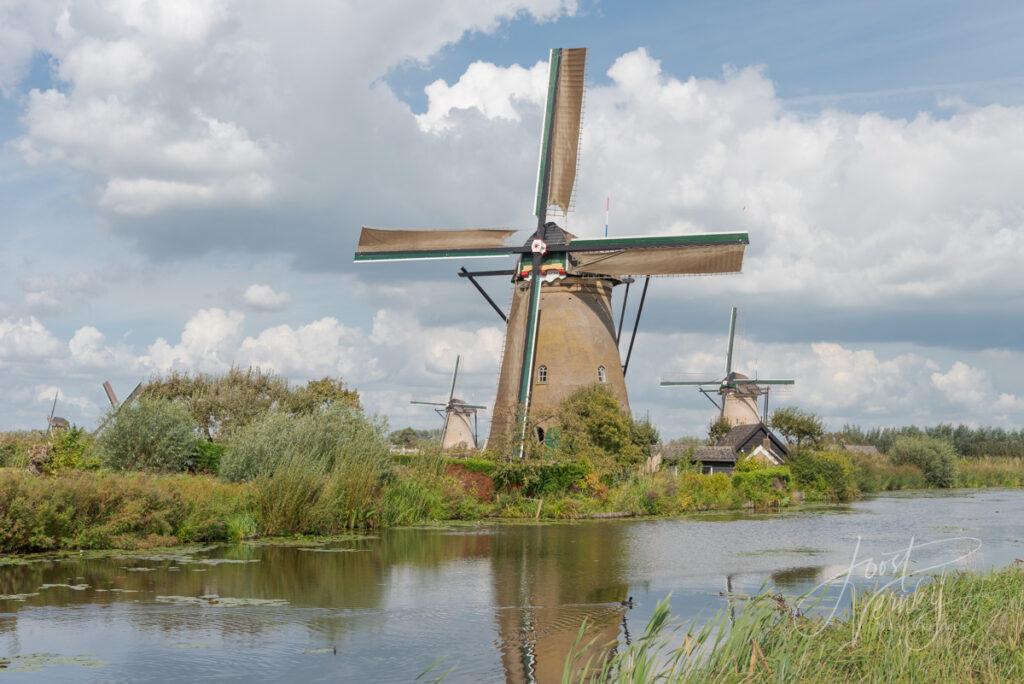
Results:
<point x="739" y="394"/>
<point x="460" y="423"/>
<point x="56" y="422"/>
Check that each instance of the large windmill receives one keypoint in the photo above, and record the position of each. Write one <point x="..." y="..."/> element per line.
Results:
<point x="739" y="394"/>
<point x="561" y="336"/>
<point x="459" y="418"/>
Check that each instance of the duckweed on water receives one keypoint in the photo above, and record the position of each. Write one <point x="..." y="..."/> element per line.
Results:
<point x="73" y="587"/>
<point x="18" y="597"/>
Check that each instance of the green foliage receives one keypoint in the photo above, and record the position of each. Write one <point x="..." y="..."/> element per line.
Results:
<point x="697" y="492"/>
<point x="224" y="404"/>
<point x="990" y="472"/>
<point x="969" y="442"/>
<point x="316" y="440"/>
<point x="74" y="448"/>
<point x="718" y="429"/>
<point x="318" y="473"/>
<point x="80" y="510"/>
<point x="208" y="456"/>
<point x="539" y="479"/>
<point x="798" y="426"/>
<point x="15" y="447"/>
<point x="824" y="475"/>
<point x="411" y="438"/>
<point x="877" y="473"/>
<point x="935" y="457"/>
<point x="153" y="435"/>
<point x="960" y="627"/>
<point x="762" y="485"/>
<point x="318" y="395"/>
<point x="594" y="428"/>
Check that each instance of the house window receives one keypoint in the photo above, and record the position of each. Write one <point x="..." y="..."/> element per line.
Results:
<point x="542" y="374"/>
<point x="540" y="434"/>
<point x="601" y="376"/>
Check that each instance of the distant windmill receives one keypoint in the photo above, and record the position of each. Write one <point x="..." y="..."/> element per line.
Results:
<point x="56" y="422"/>
<point x="460" y="427"/>
<point x="738" y="392"/>
<point x="560" y="332"/>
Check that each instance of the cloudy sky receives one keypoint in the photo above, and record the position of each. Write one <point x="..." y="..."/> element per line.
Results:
<point x="182" y="184"/>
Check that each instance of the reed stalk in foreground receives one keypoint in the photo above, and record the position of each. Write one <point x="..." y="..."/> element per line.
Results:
<point x="956" y="628"/>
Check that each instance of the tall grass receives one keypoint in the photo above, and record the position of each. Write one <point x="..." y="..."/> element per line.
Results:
<point x="991" y="471"/>
<point x="958" y="628"/>
<point x="89" y="510"/>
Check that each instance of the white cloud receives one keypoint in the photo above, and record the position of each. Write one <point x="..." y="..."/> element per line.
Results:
<point x="488" y="88"/>
<point x="207" y="343"/>
<point x="100" y="65"/>
<point x="46" y="393"/>
<point x="26" y="338"/>
<point x="962" y="384"/>
<point x="264" y="298"/>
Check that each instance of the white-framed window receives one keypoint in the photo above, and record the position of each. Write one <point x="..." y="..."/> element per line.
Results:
<point x="542" y="374"/>
<point x="601" y="375"/>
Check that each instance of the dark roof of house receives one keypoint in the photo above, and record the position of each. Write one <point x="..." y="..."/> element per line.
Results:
<point x="714" y="454"/>
<point x="747" y="437"/>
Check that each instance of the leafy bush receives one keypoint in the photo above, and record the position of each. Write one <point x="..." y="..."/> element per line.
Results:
<point x="593" y="427"/>
<point x="151" y="434"/>
<point x="72" y="448"/>
<point x="208" y="456"/>
<point x="539" y="479"/>
<point x="935" y="457"/>
<point x="762" y="485"/>
<point x="697" y="492"/>
<point x="824" y="475"/>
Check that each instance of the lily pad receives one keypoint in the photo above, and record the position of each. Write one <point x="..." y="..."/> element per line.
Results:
<point x="33" y="662"/>
<point x="73" y="587"/>
<point x="18" y="597"/>
<point x="219" y="601"/>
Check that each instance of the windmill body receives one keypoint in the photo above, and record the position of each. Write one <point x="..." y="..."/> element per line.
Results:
<point x="560" y="333"/>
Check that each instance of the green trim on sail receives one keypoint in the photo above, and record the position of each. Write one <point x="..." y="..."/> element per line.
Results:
<point x="435" y="254"/>
<point x="597" y="244"/>
<point x="526" y="373"/>
<point x="549" y="116"/>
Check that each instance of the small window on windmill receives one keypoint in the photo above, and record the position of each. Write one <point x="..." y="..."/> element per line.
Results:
<point x="601" y="376"/>
<point x="542" y="375"/>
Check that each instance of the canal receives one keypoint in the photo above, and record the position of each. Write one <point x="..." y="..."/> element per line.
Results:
<point x="488" y="602"/>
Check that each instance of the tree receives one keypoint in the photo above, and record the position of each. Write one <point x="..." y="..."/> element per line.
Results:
<point x="718" y="429"/>
<point x="798" y="426"/>
<point x="321" y="394"/>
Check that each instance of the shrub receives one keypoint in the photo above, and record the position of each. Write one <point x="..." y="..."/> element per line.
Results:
<point x="935" y="457"/>
<point x="78" y="509"/>
<point x="824" y="475"/>
<point x="697" y="492"/>
<point x="762" y="485"/>
<point x="539" y="479"/>
<point x="208" y="456"/>
<point x="594" y="427"/>
<point x="74" y="448"/>
<point x="319" y="473"/>
<point x="152" y="435"/>
<point x="318" y="440"/>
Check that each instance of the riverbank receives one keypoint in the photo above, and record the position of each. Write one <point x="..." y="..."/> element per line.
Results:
<point x="97" y="509"/>
<point x="955" y="628"/>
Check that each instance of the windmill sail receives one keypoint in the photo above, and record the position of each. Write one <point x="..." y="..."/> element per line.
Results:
<point x="377" y="244"/>
<point x="669" y="255"/>
<point x="561" y="136"/>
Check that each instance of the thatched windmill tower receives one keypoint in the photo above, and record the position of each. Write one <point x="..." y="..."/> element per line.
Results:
<point x="739" y="394"/>
<point x="561" y="336"/>
<point x="459" y="418"/>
